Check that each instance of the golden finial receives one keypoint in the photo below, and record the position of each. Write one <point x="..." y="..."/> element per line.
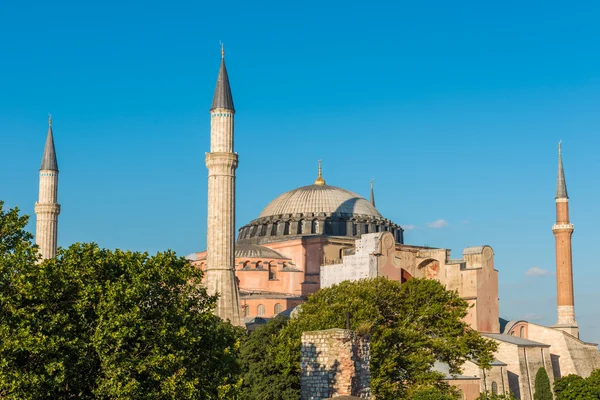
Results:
<point x="222" y="50"/>
<point x="320" y="181"/>
<point x="49" y="119"/>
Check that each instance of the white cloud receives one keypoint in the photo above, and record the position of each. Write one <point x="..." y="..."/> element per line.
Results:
<point x="409" y="227"/>
<point x="440" y="223"/>
<point x="536" y="271"/>
<point x="192" y="257"/>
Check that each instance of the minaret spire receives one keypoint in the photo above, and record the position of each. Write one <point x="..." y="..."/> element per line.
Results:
<point x="561" y="184"/>
<point x="563" y="230"/>
<point x="372" y="192"/>
<point x="49" y="158"/>
<point x="47" y="208"/>
<point x="223" y="98"/>
<point x="222" y="162"/>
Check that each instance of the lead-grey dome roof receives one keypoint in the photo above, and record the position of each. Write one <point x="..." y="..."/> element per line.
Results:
<point x="319" y="199"/>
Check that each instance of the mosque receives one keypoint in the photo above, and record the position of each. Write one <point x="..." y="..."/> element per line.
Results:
<point x="319" y="235"/>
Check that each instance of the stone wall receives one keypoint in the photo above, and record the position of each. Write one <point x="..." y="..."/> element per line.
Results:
<point x="523" y="359"/>
<point x="570" y="355"/>
<point x="334" y="362"/>
<point x="361" y="265"/>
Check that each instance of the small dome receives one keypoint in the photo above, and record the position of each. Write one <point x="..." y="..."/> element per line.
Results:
<point x="320" y="199"/>
<point x="247" y="250"/>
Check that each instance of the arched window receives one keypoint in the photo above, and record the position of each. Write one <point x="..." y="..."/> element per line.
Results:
<point x="366" y="228"/>
<point x="246" y="265"/>
<point x="260" y="310"/>
<point x="353" y="228"/>
<point x="274" y="229"/>
<point x="522" y="332"/>
<point x="300" y="227"/>
<point x="259" y="265"/>
<point x="278" y="308"/>
<point x="342" y="227"/>
<point x="272" y="272"/>
<point x="286" y="228"/>
<point x="329" y="230"/>
<point x="315" y="226"/>
<point x="494" y="388"/>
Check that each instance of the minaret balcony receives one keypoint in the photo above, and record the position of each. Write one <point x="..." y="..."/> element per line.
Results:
<point x="562" y="227"/>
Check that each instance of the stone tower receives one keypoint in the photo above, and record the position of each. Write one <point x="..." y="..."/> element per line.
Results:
<point x="563" y="229"/>
<point x="47" y="207"/>
<point x="222" y="163"/>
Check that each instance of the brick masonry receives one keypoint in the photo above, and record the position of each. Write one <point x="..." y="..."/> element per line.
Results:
<point x="334" y="362"/>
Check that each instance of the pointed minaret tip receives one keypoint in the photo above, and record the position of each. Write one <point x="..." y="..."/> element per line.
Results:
<point x="561" y="184"/>
<point x="320" y="181"/>
<point x="49" y="158"/>
<point x="372" y="192"/>
<point x="223" y="98"/>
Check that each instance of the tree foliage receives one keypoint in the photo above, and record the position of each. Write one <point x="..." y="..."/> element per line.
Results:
<point x="574" y="387"/>
<point x="542" y="386"/>
<point x="495" y="396"/>
<point x="112" y="324"/>
<point x="411" y="326"/>
<point x="261" y="376"/>
<point x="439" y="391"/>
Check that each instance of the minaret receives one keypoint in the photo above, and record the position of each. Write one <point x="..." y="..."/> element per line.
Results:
<point x="47" y="207"/>
<point x="372" y="193"/>
<point x="222" y="163"/>
<point x="563" y="229"/>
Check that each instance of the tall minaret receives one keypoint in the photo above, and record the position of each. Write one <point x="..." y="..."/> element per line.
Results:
<point x="222" y="163"/>
<point x="563" y="229"/>
<point x="47" y="207"/>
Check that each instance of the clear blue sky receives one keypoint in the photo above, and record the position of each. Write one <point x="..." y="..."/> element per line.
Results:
<point x="455" y="108"/>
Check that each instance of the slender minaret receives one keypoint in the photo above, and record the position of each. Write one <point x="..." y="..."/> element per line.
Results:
<point x="372" y="193"/>
<point x="563" y="229"/>
<point x="222" y="163"/>
<point x="47" y="207"/>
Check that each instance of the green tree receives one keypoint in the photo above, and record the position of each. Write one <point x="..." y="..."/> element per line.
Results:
<point x="261" y="376"/>
<point x="493" y="396"/>
<point x="110" y="324"/>
<point x="574" y="387"/>
<point x="411" y="326"/>
<point x="441" y="391"/>
<point x="542" y="386"/>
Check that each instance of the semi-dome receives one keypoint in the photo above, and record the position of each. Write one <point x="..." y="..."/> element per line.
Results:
<point x="315" y="199"/>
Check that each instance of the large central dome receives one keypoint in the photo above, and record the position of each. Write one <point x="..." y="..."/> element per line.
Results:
<point x="315" y="199"/>
<point x="317" y="209"/>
